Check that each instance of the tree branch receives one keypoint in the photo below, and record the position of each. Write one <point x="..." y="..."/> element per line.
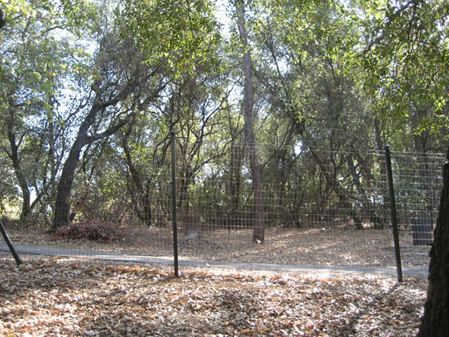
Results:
<point x="111" y="130"/>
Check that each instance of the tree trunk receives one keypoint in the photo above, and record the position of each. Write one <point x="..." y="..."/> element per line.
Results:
<point x="248" y="108"/>
<point x="383" y="184"/>
<point x="435" y="321"/>
<point x="64" y="191"/>
<point x="18" y="169"/>
<point x="235" y="166"/>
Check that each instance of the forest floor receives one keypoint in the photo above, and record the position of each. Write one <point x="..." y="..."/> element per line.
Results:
<point x="328" y="247"/>
<point x="65" y="297"/>
<point x="69" y="297"/>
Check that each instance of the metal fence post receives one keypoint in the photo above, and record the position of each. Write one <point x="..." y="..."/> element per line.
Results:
<point x="9" y="243"/>
<point x="175" y="225"/>
<point x="394" y="218"/>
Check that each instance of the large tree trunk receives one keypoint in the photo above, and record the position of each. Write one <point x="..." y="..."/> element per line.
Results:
<point x="435" y="322"/>
<point x="64" y="192"/>
<point x="259" y="226"/>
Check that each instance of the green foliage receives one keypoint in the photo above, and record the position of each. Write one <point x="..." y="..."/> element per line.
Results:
<point x="15" y="11"/>
<point x="324" y="73"/>
<point x="82" y="15"/>
<point x="182" y="35"/>
<point x="36" y="55"/>
<point x="406" y="56"/>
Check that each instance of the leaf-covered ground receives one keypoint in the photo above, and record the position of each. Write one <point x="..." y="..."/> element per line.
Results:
<point x="330" y="247"/>
<point x="61" y="297"/>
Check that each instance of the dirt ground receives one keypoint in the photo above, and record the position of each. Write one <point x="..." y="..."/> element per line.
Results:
<point x="330" y="247"/>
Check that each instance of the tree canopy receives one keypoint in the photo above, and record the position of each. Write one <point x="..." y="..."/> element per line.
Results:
<point x="323" y="75"/>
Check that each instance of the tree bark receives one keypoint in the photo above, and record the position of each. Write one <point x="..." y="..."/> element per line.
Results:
<point x="64" y="191"/>
<point x="435" y="321"/>
<point x="248" y="108"/>
<point x="18" y="168"/>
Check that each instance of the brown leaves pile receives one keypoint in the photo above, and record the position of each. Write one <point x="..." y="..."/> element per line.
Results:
<point x="59" y="297"/>
<point x="93" y="230"/>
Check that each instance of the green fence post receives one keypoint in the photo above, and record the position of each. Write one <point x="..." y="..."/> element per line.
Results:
<point x="9" y="243"/>
<point x="175" y="225"/>
<point x="394" y="218"/>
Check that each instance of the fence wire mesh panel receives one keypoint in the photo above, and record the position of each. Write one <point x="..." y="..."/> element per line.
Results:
<point x="313" y="207"/>
<point x="418" y="184"/>
<point x="320" y="207"/>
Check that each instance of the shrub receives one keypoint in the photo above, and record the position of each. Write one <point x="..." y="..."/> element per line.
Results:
<point x="93" y="230"/>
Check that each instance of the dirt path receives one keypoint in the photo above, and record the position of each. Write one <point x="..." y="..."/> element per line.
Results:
<point x="153" y="260"/>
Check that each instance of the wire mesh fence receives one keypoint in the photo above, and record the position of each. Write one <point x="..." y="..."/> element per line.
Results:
<point x="317" y="208"/>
